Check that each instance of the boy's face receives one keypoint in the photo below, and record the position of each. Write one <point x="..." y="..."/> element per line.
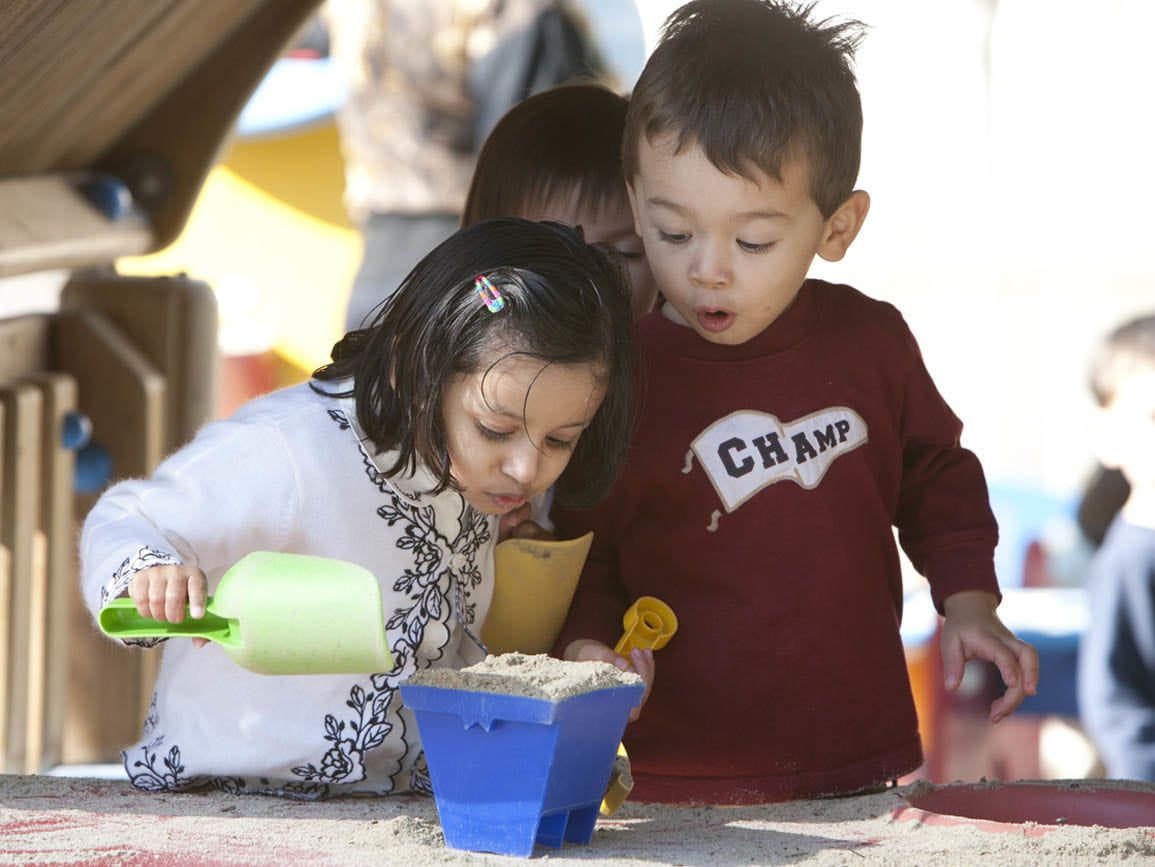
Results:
<point x="729" y="254"/>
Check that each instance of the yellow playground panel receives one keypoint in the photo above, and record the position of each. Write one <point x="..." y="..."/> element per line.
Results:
<point x="270" y="234"/>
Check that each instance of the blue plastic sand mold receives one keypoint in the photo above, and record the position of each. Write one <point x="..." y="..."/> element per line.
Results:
<point x="510" y="771"/>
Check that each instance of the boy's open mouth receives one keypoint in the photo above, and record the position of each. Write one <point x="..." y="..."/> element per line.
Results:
<point x="715" y="320"/>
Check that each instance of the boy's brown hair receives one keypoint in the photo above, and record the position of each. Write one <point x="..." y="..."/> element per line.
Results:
<point x="545" y="147"/>
<point x="754" y="83"/>
<point x="1128" y="349"/>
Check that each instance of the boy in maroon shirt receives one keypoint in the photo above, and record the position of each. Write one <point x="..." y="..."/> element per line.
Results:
<point x="787" y="425"/>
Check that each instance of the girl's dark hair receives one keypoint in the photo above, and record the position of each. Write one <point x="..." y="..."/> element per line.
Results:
<point x="566" y="302"/>
<point x="545" y="147"/>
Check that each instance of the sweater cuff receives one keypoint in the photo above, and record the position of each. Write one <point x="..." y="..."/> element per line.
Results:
<point x="117" y="586"/>
<point x="959" y="569"/>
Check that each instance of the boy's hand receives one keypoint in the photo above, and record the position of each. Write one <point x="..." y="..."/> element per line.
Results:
<point x="160" y="593"/>
<point x="516" y="525"/>
<point x="972" y="630"/>
<point x="640" y="662"/>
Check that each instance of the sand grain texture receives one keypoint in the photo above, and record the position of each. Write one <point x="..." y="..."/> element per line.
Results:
<point x="528" y="676"/>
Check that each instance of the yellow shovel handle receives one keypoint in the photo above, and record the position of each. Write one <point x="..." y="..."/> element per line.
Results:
<point x="621" y="784"/>
<point x="651" y="623"/>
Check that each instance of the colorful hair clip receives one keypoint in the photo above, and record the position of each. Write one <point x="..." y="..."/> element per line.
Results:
<point x="489" y="294"/>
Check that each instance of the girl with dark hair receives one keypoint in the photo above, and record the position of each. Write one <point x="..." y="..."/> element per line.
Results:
<point x="499" y="369"/>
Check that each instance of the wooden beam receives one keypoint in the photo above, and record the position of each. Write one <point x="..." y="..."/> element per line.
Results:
<point x="166" y="157"/>
<point x="46" y="224"/>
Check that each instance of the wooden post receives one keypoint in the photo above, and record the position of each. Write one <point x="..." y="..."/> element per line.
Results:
<point x="55" y="581"/>
<point x="23" y="412"/>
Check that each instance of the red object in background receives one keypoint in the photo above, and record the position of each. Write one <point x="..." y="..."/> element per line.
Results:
<point x="1006" y="806"/>
<point x="243" y="377"/>
<point x="1036" y="571"/>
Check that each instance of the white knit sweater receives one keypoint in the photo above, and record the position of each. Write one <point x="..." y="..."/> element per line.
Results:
<point x="289" y="472"/>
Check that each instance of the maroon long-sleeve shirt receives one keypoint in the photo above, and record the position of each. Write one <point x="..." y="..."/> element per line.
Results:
<point x="758" y="501"/>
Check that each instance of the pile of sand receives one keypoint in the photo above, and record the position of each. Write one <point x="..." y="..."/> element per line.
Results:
<point x="530" y="676"/>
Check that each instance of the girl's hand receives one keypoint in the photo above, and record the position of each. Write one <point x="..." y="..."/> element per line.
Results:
<point x="516" y="525"/>
<point x="972" y="630"/>
<point x="640" y="662"/>
<point x="160" y="593"/>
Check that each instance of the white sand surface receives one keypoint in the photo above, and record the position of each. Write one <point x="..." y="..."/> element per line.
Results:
<point x="59" y="820"/>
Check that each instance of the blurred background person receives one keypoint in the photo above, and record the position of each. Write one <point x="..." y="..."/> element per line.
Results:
<point x="1117" y="656"/>
<point x="1105" y="493"/>
<point x="427" y="80"/>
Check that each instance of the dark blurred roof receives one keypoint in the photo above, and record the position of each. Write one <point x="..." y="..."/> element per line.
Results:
<point x="144" y="91"/>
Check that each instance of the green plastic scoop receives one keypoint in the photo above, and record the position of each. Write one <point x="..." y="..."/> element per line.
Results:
<point x="276" y="613"/>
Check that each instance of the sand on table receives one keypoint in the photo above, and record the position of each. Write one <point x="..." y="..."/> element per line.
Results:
<point x="48" y="820"/>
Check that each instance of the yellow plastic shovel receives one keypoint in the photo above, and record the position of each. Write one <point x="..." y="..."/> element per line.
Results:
<point x="535" y="583"/>
<point x="651" y="623"/>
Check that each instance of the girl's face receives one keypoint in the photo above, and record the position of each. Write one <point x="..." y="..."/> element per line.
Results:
<point x="511" y="430"/>
<point x="613" y="225"/>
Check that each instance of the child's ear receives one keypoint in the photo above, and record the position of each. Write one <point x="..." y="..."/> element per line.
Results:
<point x="843" y="225"/>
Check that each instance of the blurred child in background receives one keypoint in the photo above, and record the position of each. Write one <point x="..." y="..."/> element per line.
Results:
<point x="557" y="155"/>
<point x="1117" y="655"/>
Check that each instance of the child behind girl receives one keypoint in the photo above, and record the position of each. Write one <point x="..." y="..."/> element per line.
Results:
<point x="451" y="409"/>
<point x="557" y="155"/>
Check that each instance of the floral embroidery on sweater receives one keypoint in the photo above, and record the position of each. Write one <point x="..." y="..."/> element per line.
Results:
<point x="438" y="584"/>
